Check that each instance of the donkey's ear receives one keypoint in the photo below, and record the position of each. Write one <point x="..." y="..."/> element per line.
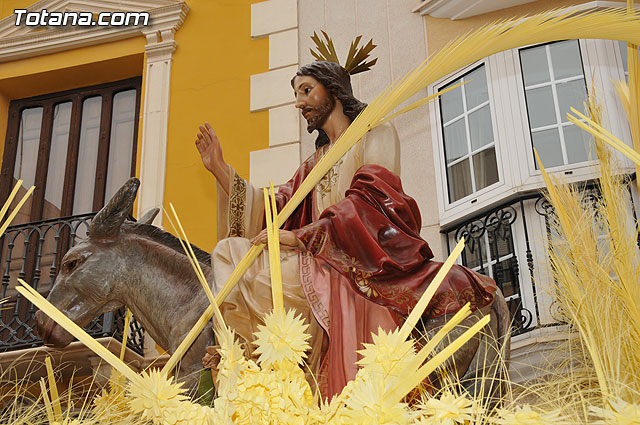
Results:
<point x="148" y="217"/>
<point x="106" y="224"/>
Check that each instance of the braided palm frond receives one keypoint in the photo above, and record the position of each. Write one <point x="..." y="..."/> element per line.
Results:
<point x="326" y="50"/>
<point x="356" y="59"/>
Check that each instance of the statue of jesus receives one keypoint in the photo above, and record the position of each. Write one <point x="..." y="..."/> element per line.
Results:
<point x="352" y="257"/>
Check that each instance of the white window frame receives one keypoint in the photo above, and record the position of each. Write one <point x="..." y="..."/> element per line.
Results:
<point x="491" y="262"/>
<point x="450" y="211"/>
<point x="596" y="55"/>
<point x="619" y="57"/>
<point x="465" y="116"/>
<point x="507" y="99"/>
<point x="553" y="83"/>
<point x="513" y="144"/>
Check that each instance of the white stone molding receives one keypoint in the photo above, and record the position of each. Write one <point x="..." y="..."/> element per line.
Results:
<point x="268" y="17"/>
<point x="460" y="9"/>
<point x="277" y="19"/>
<point x="166" y="17"/>
<point x="283" y="49"/>
<point x="284" y="125"/>
<point x="153" y="157"/>
<point x="277" y="164"/>
<point x="17" y="42"/>
<point x="272" y="88"/>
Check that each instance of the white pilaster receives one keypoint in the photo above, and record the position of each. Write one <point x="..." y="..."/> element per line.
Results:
<point x="153" y="158"/>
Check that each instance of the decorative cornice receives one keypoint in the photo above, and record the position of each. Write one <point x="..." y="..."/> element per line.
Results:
<point x="162" y="50"/>
<point x="166" y="17"/>
<point x="460" y="9"/>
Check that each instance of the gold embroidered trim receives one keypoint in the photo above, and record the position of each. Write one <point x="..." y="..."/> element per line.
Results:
<point x="328" y="180"/>
<point x="362" y="279"/>
<point x="237" y="206"/>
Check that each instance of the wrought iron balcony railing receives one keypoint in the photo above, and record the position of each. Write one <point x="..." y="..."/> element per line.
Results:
<point x="499" y="240"/>
<point x="33" y="252"/>
<point x="490" y="250"/>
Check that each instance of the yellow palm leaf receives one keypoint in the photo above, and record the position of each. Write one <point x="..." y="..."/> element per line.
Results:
<point x="57" y="316"/>
<point x="9" y="219"/>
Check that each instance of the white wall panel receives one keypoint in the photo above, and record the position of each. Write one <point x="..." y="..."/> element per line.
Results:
<point x="273" y="16"/>
<point x="272" y="88"/>
<point x="277" y="164"/>
<point x="283" y="49"/>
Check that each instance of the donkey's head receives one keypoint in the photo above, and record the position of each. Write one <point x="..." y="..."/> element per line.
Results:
<point x="92" y="272"/>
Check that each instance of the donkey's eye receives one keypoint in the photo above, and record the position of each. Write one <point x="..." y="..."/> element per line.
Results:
<point x="72" y="264"/>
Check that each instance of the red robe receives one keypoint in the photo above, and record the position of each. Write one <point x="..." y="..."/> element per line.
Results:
<point x="364" y="252"/>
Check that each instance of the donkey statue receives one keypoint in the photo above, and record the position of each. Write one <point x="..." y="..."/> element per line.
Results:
<point x="140" y="266"/>
<point x="137" y="265"/>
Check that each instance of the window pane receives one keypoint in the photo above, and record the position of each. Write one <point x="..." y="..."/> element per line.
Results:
<point x="547" y="143"/>
<point x="579" y="144"/>
<point x="565" y="59"/>
<point x="480" y="128"/>
<point x="459" y="177"/>
<point x="451" y="103"/>
<point x="57" y="159"/>
<point x="475" y="89"/>
<point x="474" y="254"/>
<point x="504" y="274"/>
<point x="28" y="144"/>
<point x="87" y="155"/>
<point x="542" y="111"/>
<point x="535" y="68"/>
<point x="485" y="168"/>
<point x="500" y="241"/>
<point x="121" y="143"/>
<point x="455" y="140"/>
<point x="573" y="93"/>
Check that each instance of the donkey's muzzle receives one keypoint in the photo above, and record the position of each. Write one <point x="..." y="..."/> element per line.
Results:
<point x="52" y="335"/>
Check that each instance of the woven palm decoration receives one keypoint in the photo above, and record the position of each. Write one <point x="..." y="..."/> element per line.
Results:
<point x="356" y="58"/>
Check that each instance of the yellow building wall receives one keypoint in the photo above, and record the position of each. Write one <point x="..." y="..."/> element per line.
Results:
<point x="442" y="30"/>
<point x="210" y="78"/>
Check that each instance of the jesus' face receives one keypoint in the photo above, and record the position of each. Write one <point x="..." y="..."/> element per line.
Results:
<point x="314" y="101"/>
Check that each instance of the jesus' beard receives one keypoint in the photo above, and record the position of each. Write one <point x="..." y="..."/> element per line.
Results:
<point x="320" y="114"/>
